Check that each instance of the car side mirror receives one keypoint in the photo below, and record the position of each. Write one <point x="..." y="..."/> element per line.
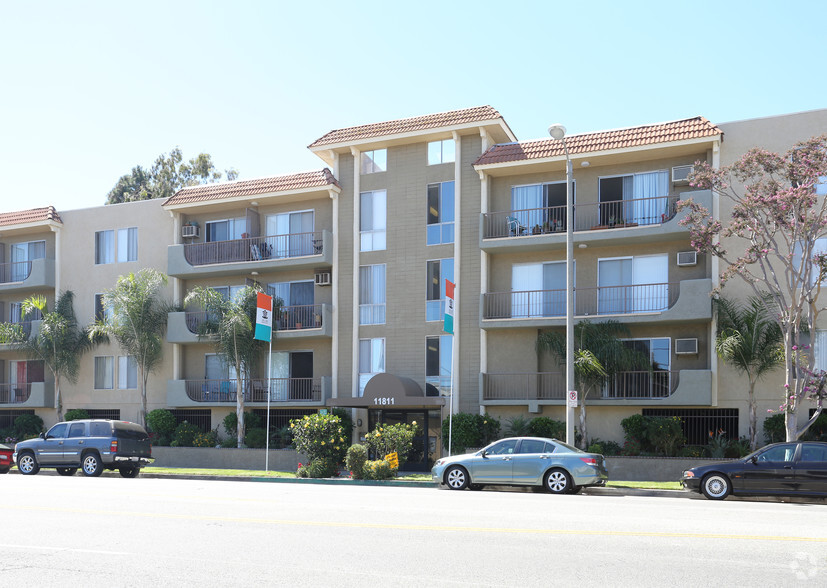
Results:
<point x="754" y="459"/>
<point x="482" y="453"/>
<point x="43" y="435"/>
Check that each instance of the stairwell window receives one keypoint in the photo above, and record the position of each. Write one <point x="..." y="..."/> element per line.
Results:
<point x="373" y="221"/>
<point x="438" y="270"/>
<point x="374" y="161"/>
<point x="372" y="294"/>
<point x="371" y="360"/>
<point x="438" y="364"/>
<point x="440" y="220"/>
<point x="441" y="152"/>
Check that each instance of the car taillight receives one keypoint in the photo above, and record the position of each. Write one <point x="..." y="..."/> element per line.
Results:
<point x="113" y="446"/>
<point x="589" y="461"/>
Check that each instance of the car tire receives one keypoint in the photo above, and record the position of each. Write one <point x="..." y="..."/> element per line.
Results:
<point x="129" y="471"/>
<point x="716" y="486"/>
<point x="456" y="478"/>
<point x="557" y="481"/>
<point x="91" y="464"/>
<point x="67" y="471"/>
<point x="27" y="464"/>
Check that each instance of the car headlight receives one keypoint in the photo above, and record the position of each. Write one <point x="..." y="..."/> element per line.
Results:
<point x="439" y="462"/>
<point x="689" y="474"/>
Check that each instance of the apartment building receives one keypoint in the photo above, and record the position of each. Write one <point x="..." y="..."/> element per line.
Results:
<point x="359" y="253"/>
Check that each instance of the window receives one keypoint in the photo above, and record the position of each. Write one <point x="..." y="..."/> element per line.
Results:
<point x="538" y="289"/>
<point x="820" y="349"/>
<point x="373" y="221"/>
<point x="374" y="161"/>
<point x="104" y="247"/>
<point x="438" y="362"/>
<point x="16" y="313"/>
<point x="441" y="151"/>
<point x="645" y="383"/>
<point x="371" y="360"/>
<point x="225" y="230"/>
<point x="298" y="309"/>
<point x="633" y="284"/>
<point x="104" y="372"/>
<point x="21" y="256"/>
<point x="128" y="244"/>
<point x="290" y="234"/>
<point x="58" y="431"/>
<point x="26" y="372"/>
<point x="102" y="313"/>
<point x="220" y="375"/>
<point x="77" y="430"/>
<point x="437" y="271"/>
<point x="538" y="207"/>
<point x="229" y="292"/>
<point x="292" y="376"/>
<point x="640" y="199"/>
<point x="372" y="294"/>
<point x="127" y="373"/>
<point x="821" y="186"/>
<point x="440" y="213"/>
<point x="819" y="246"/>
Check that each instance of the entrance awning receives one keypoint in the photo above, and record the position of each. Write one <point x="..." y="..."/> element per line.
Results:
<point x="388" y="391"/>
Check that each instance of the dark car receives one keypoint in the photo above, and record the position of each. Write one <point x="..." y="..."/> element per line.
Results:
<point x="782" y="469"/>
<point x="92" y="445"/>
<point x="5" y="458"/>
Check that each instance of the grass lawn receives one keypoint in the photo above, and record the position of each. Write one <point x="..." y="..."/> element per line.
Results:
<point x="646" y="485"/>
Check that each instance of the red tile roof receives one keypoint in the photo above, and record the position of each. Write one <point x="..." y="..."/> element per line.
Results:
<point x="679" y="130"/>
<point x="240" y="188"/>
<point x="408" y="125"/>
<point x="34" y="215"/>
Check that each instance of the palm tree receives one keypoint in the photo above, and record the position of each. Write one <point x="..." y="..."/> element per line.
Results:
<point x="751" y="341"/>
<point x="599" y="354"/>
<point x="138" y="321"/>
<point x="59" y="342"/>
<point x="231" y="324"/>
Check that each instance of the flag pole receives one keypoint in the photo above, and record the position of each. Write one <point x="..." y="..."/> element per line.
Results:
<point x="450" y="320"/>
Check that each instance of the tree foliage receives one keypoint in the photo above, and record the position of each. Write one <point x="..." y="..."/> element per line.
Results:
<point x="167" y="175"/>
<point x="777" y="220"/>
<point x="138" y="322"/>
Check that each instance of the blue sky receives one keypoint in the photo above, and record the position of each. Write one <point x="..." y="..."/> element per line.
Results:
<point x="91" y="89"/>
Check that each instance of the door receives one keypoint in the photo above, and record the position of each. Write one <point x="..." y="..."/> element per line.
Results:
<point x="280" y="374"/>
<point x="74" y="444"/>
<point x="50" y="450"/>
<point x="495" y="467"/>
<point x="301" y="375"/>
<point x="554" y="289"/>
<point x="649" y="276"/>
<point x="530" y="462"/>
<point x="811" y="468"/>
<point x="772" y="471"/>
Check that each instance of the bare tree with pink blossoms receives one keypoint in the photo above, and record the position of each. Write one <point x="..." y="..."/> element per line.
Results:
<point x="778" y="219"/>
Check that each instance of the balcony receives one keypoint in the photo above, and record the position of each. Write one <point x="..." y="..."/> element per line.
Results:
<point x="32" y="395"/>
<point x="295" y="322"/>
<point x="38" y="274"/>
<point x="27" y="330"/>
<point x="640" y="388"/>
<point x="239" y="256"/>
<point x="644" y="220"/>
<point x="283" y="391"/>
<point x="685" y="301"/>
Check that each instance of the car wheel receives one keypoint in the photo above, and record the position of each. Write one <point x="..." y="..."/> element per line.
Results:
<point x="129" y="471"/>
<point x="27" y="464"/>
<point x="716" y="486"/>
<point x="456" y="478"/>
<point x="92" y="465"/>
<point x="558" y="481"/>
<point x="66" y="471"/>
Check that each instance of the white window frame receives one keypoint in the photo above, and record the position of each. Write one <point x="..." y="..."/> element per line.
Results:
<point x="435" y="308"/>
<point x="104" y="247"/>
<point x="127" y="373"/>
<point x="233" y="233"/>
<point x="375" y="237"/>
<point x="635" y="310"/>
<point x="368" y="163"/>
<point x="441" y="381"/>
<point x="125" y="251"/>
<point x="437" y="152"/>
<point x="109" y="372"/>
<point x="373" y="312"/>
<point x="107" y="312"/>
<point x="442" y="226"/>
<point x="377" y="364"/>
<point x="523" y="306"/>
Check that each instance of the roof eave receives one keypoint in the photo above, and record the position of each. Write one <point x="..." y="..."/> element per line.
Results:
<point x="248" y="197"/>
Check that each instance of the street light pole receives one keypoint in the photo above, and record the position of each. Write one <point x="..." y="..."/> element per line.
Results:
<point x="558" y="133"/>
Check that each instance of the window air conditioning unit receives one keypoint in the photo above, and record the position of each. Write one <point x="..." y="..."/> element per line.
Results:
<point x="322" y="278"/>
<point x="686" y="347"/>
<point x="687" y="258"/>
<point x="189" y="231"/>
<point x="680" y="174"/>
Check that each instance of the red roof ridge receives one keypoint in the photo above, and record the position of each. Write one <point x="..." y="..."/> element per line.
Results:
<point x="31" y="215"/>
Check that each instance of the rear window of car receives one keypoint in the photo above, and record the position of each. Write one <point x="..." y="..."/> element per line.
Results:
<point x="130" y="431"/>
<point x="535" y="446"/>
<point x="99" y="430"/>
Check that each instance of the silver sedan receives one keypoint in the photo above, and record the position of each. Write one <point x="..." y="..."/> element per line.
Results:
<point x="523" y="461"/>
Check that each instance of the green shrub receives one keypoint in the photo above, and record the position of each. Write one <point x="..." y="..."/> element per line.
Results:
<point x="229" y="442"/>
<point x="281" y="438"/>
<point x="635" y="429"/>
<point x="161" y="421"/>
<point x="818" y="430"/>
<point x="378" y="470"/>
<point x="320" y="435"/>
<point x="548" y="428"/>
<point x="185" y="435"/>
<point x="718" y="444"/>
<point x="355" y="460"/>
<point x="385" y="439"/>
<point x="739" y="448"/>
<point x="256" y="438"/>
<point x="517" y="427"/>
<point x="347" y="422"/>
<point x="321" y="467"/>
<point x="251" y="421"/>
<point x="75" y="414"/>
<point x="665" y="434"/>
<point x="692" y="451"/>
<point x="208" y="439"/>
<point x="595" y="448"/>
<point x="470" y="430"/>
<point x="27" y="426"/>
<point x="774" y="428"/>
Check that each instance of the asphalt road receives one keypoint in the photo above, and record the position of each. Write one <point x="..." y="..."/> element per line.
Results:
<point x="112" y="531"/>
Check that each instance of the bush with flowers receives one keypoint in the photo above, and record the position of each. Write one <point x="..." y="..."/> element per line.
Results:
<point x="385" y="439"/>
<point x="320" y="436"/>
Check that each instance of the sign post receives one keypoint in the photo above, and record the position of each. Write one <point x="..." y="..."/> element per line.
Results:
<point x="448" y="327"/>
<point x="264" y="332"/>
<point x="571" y="399"/>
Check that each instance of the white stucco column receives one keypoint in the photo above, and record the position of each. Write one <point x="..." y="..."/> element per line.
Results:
<point x="357" y="212"/>
<point x="334" y="346"/>
<point x="455" y="350"/>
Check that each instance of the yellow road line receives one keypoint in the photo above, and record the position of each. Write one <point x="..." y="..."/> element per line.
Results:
<point x="414" y="527"/>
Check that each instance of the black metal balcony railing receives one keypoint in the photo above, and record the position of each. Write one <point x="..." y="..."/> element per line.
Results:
<point x="552" y="385"/>
<point x="292" y="318"/>
<point x="593" y="216"/>
<point x="281" y="390"/>
<point x="15" y="272"/>
<point x="14" y="393"/>
<point x="254" y="248"/>
<point x="641" y="298"/>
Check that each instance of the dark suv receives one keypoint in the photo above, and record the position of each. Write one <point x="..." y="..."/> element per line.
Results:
<point x="92" y="445"/>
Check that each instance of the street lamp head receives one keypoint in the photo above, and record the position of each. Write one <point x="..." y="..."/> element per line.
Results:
<point x="557" y="131"/>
